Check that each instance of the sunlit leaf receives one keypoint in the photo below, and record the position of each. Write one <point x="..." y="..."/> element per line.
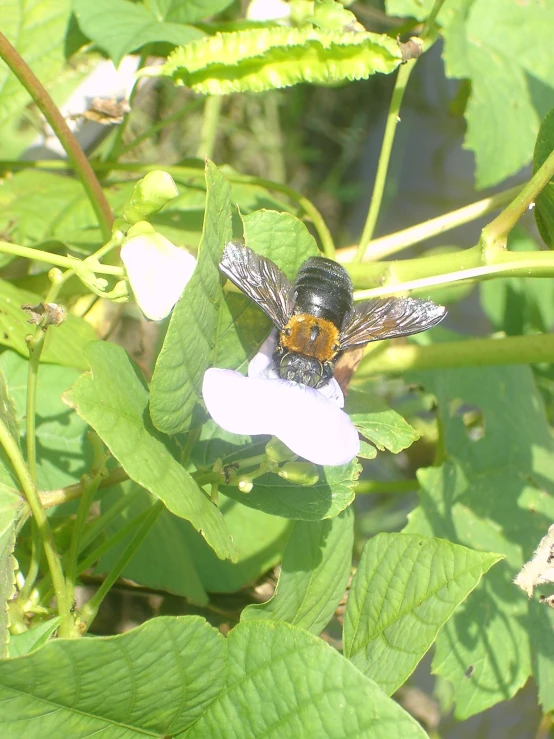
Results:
<point x="314" y="573"/>
<point x="544" y="204"/>
<point x="82" y="687"/>
<point x="283" y="681"/>
<point x="114" y="401"/>
<point x="404" y="590"/>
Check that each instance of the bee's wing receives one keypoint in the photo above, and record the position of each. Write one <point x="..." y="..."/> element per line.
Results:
<point x="260" y="279"/>
<point x="389" y="318"/>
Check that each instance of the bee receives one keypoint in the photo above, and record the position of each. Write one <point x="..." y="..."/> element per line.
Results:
<point x="316" y="316"/>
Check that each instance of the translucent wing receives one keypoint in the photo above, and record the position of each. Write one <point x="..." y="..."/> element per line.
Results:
<point x="389" y="318"/>
<point x="260" y="279"/>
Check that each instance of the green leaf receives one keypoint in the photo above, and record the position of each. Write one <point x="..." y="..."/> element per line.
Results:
<point x="258" y="538"/>
<point x="285" y="682"/>
<point x="64" y="344"/>
<point x="314" y="574"/>
<point x="189" y="344"/>
<point x="381" y="425"/>
<point x="493" y="492"/>
<point x="28" y="641"/>
<point x="506" y="51"/>
<point x="188" y="11"/>
<point x="54" y="208"/>
<point x="327" y="498"/>
<point x="267" y="58"/>
<point x="37" y="30"/>
<point x="63" y="455"/>
<point x="544" y="204"/>
<point x="176" y="559"/>
<point x="164" y="560"/>
<point x="157" y="679"/>
<point x="519" y="305"/>
<point x="11" y="506"/>
<point x="120" y="27"/>
<point x="114" y="401"/>
<point x="404" y="590"/>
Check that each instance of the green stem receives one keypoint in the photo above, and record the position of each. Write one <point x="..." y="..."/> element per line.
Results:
<point x="377" y="487"/>
<point x="51" y="498"/>
<point x="524" y="264"/>
<point x="494" y="236"/>
<point x="393" y="243"/>
<point x="56" y="259"/>
<point x="90" y="487"/>
<point x="112" y="541"/>
<point x="468" y="353"/>
<point x="210" y="122"/>
<point x="400" y="84"/>
<point x="74" y="152"/>
<point x="431" y="18"/>
<point x="90" y="609"/>
<point x="14" y="454"/>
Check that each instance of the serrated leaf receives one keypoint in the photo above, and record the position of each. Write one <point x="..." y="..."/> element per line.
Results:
<point x="285" y="682"/>
<point x="11" y="505"/>
<point x="63" y="455"/>
<point x="314" y="574"/>
<point x="494" y="492"/>
<point x="114" y="401"/>
<point x="64" y="344"/>
<point x="120" y="26"/>
<point x="327" y="498"/>
<point x="404" y="590"/>
<point x="544" y="203"/>
<point x="28" y="641"/>
<point x="381" y="425"/>
<point x="267" y="58"/>
<point x="80" y="687"/>
<point x="190" y="342"/>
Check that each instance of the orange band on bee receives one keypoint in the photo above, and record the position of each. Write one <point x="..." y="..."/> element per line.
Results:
<point x="311" y="336"/>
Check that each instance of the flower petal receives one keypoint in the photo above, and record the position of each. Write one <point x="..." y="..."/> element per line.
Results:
<point x="158" y="272"/>
<point x="311" y="425"/>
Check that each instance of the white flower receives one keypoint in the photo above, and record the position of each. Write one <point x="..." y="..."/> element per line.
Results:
<point x="309" y="421"/>
<point x="268" y="10"/>
<point x="157" y="270"/>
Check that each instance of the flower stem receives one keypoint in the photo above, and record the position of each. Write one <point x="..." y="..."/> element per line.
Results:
<point x="22" y="471"/>
<point x="56" y="259"/>
<point x="74" y="152"/>
<point x="400" y="84"/>
<point x="468" y="353"/>
<point x="210" y="122"/>
<point x="90" y="609"/>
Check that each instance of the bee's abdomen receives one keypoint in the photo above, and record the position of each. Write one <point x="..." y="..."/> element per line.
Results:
<point x="323" y="289"/>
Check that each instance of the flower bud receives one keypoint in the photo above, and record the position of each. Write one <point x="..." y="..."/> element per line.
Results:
<point x="149" y="196"/>
<point x="300" y="473"/>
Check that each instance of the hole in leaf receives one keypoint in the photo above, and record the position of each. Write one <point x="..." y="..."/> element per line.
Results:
<point x="472" y="417"/>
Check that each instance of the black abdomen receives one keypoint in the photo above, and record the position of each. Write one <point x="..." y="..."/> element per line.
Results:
<point x="323" y="289"/>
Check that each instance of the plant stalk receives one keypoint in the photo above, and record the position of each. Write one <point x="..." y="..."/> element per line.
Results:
<point x="394" y="359"/>
<point x="14" y="454"/>
<point x="74" y="152"/>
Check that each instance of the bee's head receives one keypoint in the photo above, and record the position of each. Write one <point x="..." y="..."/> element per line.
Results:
<point x="304" y="370"/>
